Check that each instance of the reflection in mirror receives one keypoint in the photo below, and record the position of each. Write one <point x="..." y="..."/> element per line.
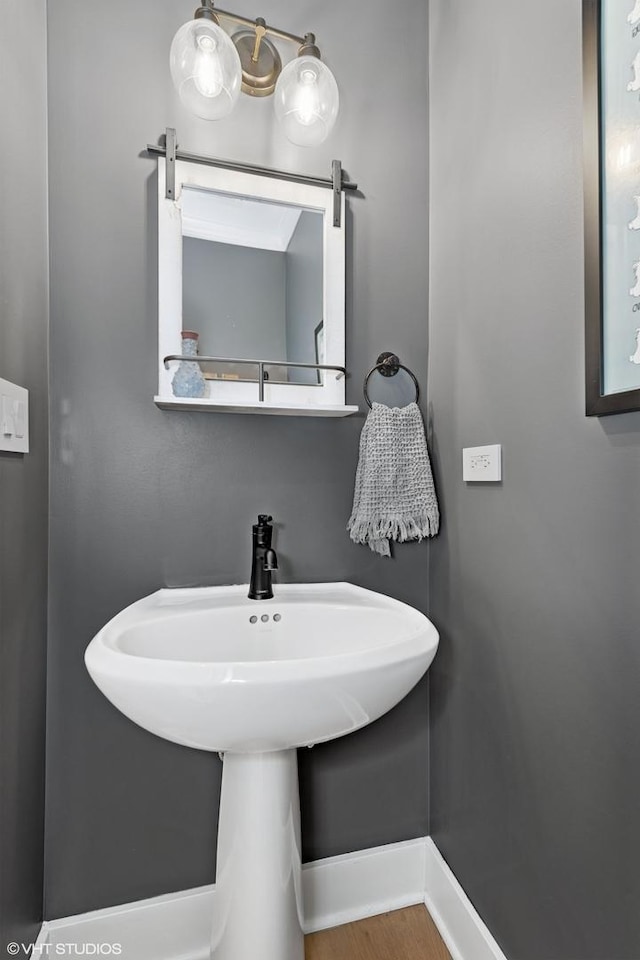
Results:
<point x="252" y="284"/>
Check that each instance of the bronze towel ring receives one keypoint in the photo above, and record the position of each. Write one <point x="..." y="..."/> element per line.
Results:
<point x="388" y="365"/>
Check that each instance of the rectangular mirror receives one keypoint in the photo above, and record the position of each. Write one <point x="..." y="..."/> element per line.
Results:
<point x="611" y="88"/>
<point x="252" y="283"/>
<point x="254" y="265"/>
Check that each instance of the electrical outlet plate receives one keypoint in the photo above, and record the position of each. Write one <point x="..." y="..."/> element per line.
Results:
<point x="482" y="463"/>
<point x="14" y="418"/>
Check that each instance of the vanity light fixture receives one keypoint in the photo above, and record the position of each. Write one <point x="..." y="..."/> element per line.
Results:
<point x="209" y="68"/>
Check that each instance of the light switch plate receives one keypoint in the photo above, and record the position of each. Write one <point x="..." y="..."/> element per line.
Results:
<point x="482" y="463"/>
<point x="14" y="418"/>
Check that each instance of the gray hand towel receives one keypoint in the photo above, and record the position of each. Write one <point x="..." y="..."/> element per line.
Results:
<point x="394" y="496"/>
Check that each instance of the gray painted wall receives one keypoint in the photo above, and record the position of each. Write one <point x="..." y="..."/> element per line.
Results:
<point x="23" y="479"/>
<point x="535" y="718"/>
<point x="142" y="498"/>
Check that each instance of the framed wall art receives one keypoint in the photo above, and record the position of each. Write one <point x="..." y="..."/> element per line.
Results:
<point x="611" y="51"/>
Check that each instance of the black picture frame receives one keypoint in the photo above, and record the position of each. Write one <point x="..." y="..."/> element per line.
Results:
<point x="598" y="403"/>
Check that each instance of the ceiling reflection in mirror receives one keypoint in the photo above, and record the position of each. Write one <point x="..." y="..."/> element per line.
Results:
<point x="252" y="284"/>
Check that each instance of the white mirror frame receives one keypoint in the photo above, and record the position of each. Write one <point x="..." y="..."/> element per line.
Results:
<point x="327" y="399"/>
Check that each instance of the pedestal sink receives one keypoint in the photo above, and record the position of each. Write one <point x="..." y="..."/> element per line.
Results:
<point x="211" y="669"/>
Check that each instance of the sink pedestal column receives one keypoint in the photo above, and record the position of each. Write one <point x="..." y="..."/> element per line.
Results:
<point x="258" y="901"/>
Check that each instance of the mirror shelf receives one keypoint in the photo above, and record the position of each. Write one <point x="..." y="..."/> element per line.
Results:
<point x="255" y="265"/>
<point x="247" y="406"/>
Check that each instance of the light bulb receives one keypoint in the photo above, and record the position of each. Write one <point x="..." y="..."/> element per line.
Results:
<point x="307" y="101"/>
<point x="207" y="71"/>
<point x="205" y="68"/>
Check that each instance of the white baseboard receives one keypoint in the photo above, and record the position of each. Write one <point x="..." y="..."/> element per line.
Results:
<point x="171" y="927"/>
<point x="362" y="884"/>
<point x="337" y="890"/>
<point x="460" y="926"/>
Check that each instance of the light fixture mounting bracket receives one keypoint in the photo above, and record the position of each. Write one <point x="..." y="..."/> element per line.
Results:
<point x="260" y="60"/>
<point x="246" y="22"/>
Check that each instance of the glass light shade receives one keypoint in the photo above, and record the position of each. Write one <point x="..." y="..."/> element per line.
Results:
<point x="306" y="101"/>
<point x="205" y="69"/>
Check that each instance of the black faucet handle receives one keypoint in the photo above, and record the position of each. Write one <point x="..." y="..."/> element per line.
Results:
<point x="263" y="519"/>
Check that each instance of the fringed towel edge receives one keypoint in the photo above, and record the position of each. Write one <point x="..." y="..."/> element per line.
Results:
<point x="393" y="528"/>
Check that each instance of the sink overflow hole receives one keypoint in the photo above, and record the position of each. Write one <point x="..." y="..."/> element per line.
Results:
<point x="265" y="618"/>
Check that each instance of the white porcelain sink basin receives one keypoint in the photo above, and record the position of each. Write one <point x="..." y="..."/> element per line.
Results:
<point x="320" y="661"/>
<point x="210" y="668"/>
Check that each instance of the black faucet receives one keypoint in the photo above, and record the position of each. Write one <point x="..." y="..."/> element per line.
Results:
<point x="264" y="559"/>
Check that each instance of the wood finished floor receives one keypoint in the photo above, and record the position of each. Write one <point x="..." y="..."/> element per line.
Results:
<point x="407" y="934"/>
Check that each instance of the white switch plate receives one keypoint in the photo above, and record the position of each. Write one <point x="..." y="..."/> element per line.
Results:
<point x="14" y="418"/>
<point x="482" y="463"/>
